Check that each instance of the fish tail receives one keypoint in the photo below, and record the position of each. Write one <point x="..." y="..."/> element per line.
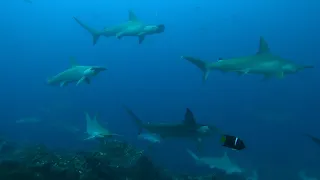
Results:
<point x="95" y="33"/>
<point x="203" y="65"/>
<point x="135" y="118"/>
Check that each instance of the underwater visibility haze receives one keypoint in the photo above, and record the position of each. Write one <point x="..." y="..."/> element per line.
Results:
<point x="199" y="86"/>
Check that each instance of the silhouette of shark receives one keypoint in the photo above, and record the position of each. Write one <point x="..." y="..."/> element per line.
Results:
<point x="75" y="73"/>
<point x="263" y="62"/>
<point x="223" y="163"/>
<point x="188" y="128"/>
<point x="132" y="27"/>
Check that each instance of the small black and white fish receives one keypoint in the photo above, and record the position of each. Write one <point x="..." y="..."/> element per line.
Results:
<point x="232" y="142"/>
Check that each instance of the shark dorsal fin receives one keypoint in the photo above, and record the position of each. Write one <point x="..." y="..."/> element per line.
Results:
<point x="73" y="61"/>
<point x="263" y="46"/>
<point x="132" y="16"/>
<point x="189" y="119"/>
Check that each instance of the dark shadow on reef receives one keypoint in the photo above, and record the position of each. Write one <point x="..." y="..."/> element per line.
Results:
<point x="112" y="160"/>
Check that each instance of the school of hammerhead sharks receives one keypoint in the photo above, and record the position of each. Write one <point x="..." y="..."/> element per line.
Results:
<point x="263" y="62"/>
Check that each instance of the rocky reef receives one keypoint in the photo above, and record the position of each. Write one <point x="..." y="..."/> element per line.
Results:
<point x="112" y="160"/>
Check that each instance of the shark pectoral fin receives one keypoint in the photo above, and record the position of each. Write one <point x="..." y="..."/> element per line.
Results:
<point x="266" y="77"/>
<point x="243" y="72"/>
<point x="63" y="83"/>
<point x="119" y="35"/>
<point x="280" y="74"/>
<point x="83" y="79"/>
<point x="88" y="138"/>
<point x="141" y="39"/>
<point x="205" y="76"/>
<point x="87" y="80"/>
<point x="80" y="80"/>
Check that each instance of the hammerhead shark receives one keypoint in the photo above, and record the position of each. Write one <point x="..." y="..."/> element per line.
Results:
<point x="263" y="62"/>
<point x="132" y="27"/>
<point x="223" y="163"/>
<point x="189" y="128"/>
<point x="75" y="73"/>
<point x="95" y="129"/>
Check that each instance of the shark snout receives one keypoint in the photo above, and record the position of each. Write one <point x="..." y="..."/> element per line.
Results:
<point x="93" y="71"/>
<point x="99" y="69"/>
<point x="160" y="28"/>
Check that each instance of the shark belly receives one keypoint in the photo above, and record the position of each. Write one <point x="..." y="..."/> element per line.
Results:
<point x="132" y="30"/>
<point x="266" y="68"/>
<point x="71" y="75"/>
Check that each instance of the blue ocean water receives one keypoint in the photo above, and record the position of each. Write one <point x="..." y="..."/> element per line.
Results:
<point x="37" y="40"/>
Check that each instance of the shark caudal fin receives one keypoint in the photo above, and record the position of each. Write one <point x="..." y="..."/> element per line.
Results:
<point x="135" y="118"/>
<point x="95" y="130"/>
<point x="202" y="65"/>
<point x="95" y="33"/>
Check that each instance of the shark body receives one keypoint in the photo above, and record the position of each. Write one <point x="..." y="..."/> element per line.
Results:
<point x="75" y="73"/>
<point x="263" y="62"/>
<point x="189" y="128"/>
<point x="95" y="129"/>
<point x="223" y="163"/>
<point x="132" y="27"/>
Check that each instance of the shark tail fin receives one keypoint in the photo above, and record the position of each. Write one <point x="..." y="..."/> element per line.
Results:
<point x="135" y="118"/>
<point x="203" y="65"/>
<point x="193" y="155"/>
<point x="95" y="33"/>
